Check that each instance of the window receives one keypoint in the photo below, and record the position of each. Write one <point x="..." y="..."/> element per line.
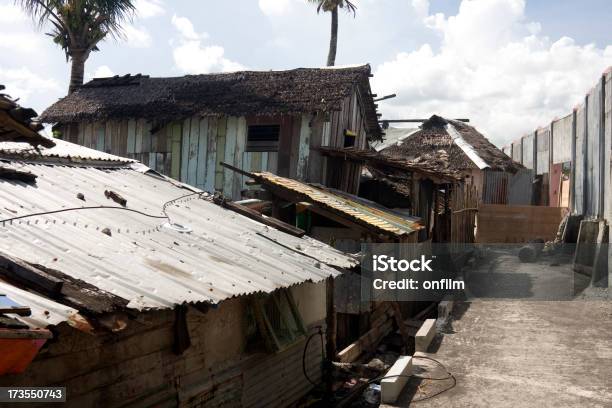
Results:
<point x="278" y="320"/>
<point x="263" y="138"/>
<point x="349" y="138"/>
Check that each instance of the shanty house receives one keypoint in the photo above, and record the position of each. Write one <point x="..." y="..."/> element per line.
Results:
<point x="185" y="127"/>
<point x="454" y="146"/>
<point x="154" y="294"/>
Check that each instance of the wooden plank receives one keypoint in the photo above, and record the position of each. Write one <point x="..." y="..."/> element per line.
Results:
<point x="139" y="132"/>
<point x="81" y="134"/>
<point x="108" y="134"/>
<point x="88" y="140"/>
<point x="230" y="148"/>
<point x="123" y="136"/>
<point x="303" y="148"/>
<point x="100" y="133"/>
<point x="211" y="154"/>
<point x="200" y="181"/>
<point x="131" y="137"/>
<point x="16" y="269"/>
<point x="255" y="162"/>
<point x="241" y="135"/>
<point x="185" y="149"/>
<point x="254" y="215"/>
<point x="176" y="143"/>
<point x="220" y="156"/>
<point x="194" y="140"/>
<point x="272" y="162"/>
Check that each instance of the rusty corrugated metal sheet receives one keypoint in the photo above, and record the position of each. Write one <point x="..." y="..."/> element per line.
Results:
<point x="361" y="211"/>
<point x="144" y="261"/>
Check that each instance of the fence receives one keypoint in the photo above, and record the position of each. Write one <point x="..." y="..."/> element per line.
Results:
<point x="580" y="142"/>
<point x="517" y="223"/>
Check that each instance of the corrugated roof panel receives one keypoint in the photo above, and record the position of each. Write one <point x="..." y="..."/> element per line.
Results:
<point x="360" y="210"/>
<point x="62" y="150"/>
<point x="145" y="261"/>
<point x="45" y="312"/>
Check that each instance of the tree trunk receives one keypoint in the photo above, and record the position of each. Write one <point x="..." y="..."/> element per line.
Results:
<point x="77" y="71"/>
<point x="333" y="40"/>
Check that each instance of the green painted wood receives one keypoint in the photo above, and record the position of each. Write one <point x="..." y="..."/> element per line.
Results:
<point x="100" y="131"/>
<point x="194" y="140"/>
<point x="221" y="137"/>
<point x="230" y="151"/>
<point x="131" y="140"/>
<point x="272" y="165"/>
<point x="201" y="155"/>
<point x="264" y="161"/>
<point x="255" y="161"/>
<point x="211" y="154"/>
<point x="176" y="145"/>
<point x="239" y="179"/>
<point x="185" y="149"/>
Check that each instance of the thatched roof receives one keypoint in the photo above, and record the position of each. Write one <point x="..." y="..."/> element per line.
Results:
<point x="297" y="91"/>
<point x="16" y="124"/>
<point x="451" y="145"/>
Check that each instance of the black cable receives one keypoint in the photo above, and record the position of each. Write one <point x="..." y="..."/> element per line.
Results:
<point x="82" y="208"/>
<point x="320" y="333"/>
<point x="450" y="376"/>
<point x="106" y="207"/>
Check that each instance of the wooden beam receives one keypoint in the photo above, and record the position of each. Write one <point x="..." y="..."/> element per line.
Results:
<point x="254" y="215"/>
<point x="18" y="310"/>
<point x="19" y="270"/>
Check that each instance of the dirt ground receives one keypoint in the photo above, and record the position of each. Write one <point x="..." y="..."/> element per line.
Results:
<point x="512" y="351"/>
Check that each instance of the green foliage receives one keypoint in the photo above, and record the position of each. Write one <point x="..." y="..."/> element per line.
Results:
<point x="329" y="5"/>
<point x="79" y="25"/>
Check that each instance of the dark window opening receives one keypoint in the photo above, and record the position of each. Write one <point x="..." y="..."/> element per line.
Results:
<point x="263" y="138"/>
<point x="349" y="138"/>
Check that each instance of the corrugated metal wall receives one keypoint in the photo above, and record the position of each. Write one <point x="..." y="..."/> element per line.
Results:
<point x="543" y="152"/>
<point x="505" y="188"/>
<point x="528" y="150"/>
<point x="517" y="151"/>
<point x="583" y="138"/>
<point x="562" y="139"/>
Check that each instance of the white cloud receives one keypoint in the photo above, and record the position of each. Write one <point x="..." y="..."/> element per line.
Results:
<point x="103" y="71"/>
<point x="193" y="57"/>
<point x="421" y="7"/>
<point x="136" y="37"/>
<point x="22" y="83"/>
<point x="185" y="28"/>
<point x="275" y="8"/>
<point x="10" y="13"/>
<point x="149" y="8"/>
<point x="21" y="42"/>
<point x="494" y="67"/>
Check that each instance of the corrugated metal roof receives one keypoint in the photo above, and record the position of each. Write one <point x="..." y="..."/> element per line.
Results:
<point x="358" y="210"/>
<point x="62" y="150"/>
<point x="45" y="312"/>
<point x="145" y="261"/>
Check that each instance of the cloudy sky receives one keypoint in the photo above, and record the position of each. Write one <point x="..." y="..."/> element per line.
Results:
<point x="508" y="65"/>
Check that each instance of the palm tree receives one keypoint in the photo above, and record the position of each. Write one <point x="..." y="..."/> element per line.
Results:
<point x="78" y="26"/>
<point x="332" y="6"/>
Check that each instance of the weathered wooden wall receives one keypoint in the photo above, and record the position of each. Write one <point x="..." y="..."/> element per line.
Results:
<point x="192" y="149"/>
<point x="516" y="223"/>
<point x="137" y="367"/>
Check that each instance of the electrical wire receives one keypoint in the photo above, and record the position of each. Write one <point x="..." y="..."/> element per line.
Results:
<point x="105" y="207"/>
<point x="99" y="207"/>
<point x="319" y="333"/>
<point x="449" y="376"/>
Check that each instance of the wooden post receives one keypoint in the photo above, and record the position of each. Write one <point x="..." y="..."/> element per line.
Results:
<point x="331" y="322"/>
